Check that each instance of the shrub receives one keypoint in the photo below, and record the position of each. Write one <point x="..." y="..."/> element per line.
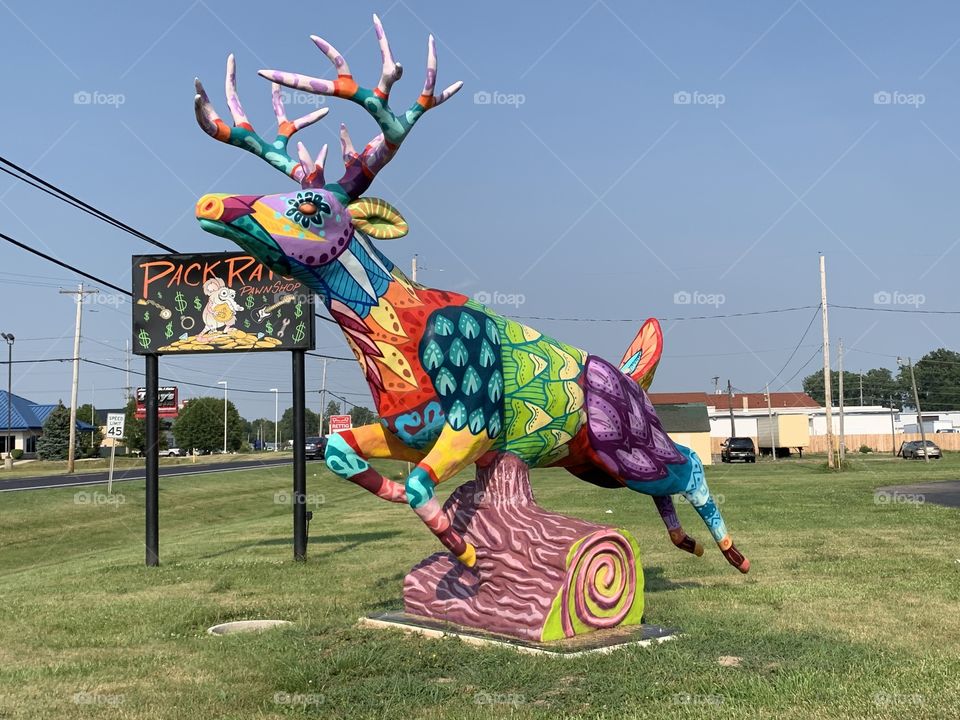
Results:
<point x="17" y="454"/>
<point x="864" y="449"/>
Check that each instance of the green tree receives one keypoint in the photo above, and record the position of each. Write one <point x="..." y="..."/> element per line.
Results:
<point x="879" y="385"/>
<point x="88" y="443"/>
<point x="938" y="380"/>
<point x="54" y="444"/>
<point x="333" y="408"/>
<point x="263" y="428"/>
<point x="312" y="422"/>
<point x="134" y="430"/>
<point x="360" y="415"/>
<point x="200" y="425"/>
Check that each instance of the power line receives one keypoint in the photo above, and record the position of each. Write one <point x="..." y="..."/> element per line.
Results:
<point x="667" y="319"/>
<point x="801" y="368"/>
<point x="64" y="265"/>
<point x="802" y="338"/>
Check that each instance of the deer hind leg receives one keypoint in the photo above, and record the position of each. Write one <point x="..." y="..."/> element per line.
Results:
<point x="347" y="453"/>
<point x="693" y="486"/>
<point x="453" y="451"/>
<point x="679" y="538"/>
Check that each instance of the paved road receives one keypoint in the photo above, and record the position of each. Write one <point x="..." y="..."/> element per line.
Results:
<point x="942" y="493"/>
<point x="41" y="482"/>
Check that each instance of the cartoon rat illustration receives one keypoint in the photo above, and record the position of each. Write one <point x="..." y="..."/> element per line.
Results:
<point x="222" y="308"/>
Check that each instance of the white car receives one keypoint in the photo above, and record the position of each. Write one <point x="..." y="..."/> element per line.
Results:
<point x="172" y="452"/>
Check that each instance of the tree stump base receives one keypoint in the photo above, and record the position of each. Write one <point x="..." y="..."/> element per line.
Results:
<point x="539" y="576"/>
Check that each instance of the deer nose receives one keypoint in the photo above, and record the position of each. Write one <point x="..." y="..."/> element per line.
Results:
<point x="210" y="207"/>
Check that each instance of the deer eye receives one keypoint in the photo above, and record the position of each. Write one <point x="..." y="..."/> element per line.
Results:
<point x="307" y="208"/>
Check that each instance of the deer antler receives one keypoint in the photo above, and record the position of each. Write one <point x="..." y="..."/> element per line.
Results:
<point x="306" y="172"/>
<point x="362" y="167"/>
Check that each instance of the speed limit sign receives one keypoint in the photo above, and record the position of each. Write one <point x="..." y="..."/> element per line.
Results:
<point x="115" y="425"/>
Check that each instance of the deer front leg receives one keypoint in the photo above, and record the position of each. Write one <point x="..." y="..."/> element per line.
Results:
<point x="453" y="451"/>
<point x="348" y="451"/>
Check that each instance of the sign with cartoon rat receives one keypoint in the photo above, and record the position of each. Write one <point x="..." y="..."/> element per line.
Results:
<point x="217" y="302"/>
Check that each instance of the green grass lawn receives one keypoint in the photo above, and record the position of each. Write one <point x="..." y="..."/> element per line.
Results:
<point x="851" y="608"/>
<point x="89" y="465"/>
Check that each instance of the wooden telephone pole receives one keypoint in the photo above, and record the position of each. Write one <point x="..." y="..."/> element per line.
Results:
<point x="72" y="450"/>
<point x="827" y="389"/>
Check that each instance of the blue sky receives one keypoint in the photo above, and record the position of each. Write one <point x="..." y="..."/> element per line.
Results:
<point x="633" y="155"/>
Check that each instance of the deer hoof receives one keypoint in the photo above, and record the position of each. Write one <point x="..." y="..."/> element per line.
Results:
<point x="469" y="556"/>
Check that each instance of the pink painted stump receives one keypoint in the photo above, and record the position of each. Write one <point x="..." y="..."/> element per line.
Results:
<point x="539" y="575"/>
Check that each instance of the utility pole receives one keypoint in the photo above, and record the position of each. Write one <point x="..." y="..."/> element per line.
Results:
<point x="843" y="436"/>
<point x="413" y="268"/>
<point x="323" y="384"/>
<point x="72" y="450"/>
<point x="916" y="402"/>
<point x="276" y="419"/>
<point x="733" y="427"/>
<point x="861" y="387"/>
<point x="716" y="384"/>
<point x="827" y="383"/>
<point x="773" y="446"/>
<point x="9" y="441"/>
<point x="893" y="430"/>
<point x="224" y="383"/>
<point x="128" y="391"/>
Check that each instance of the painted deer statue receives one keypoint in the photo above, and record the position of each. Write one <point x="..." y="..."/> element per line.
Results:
<point x="454" y="383"/>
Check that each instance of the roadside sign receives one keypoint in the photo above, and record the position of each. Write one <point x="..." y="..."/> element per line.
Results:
<point x="115" y="425"/>
<point x="168" y="402"/>
<point x="339" y="423"/>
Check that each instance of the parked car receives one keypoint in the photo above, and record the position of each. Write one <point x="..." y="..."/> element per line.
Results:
<point x="914" y="450"/>
<point x="172" y="452"/>
<point x="738" y="448"/>
<point x="316" y="447"/>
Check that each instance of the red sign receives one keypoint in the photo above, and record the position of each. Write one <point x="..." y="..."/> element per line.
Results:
<point x="168" y="405"/>
<point x="339" y="423"/>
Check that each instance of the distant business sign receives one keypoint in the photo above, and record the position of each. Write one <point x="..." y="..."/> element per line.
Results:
<point x="168" y="405"/>
<point x="217" y="302"/>
<point x="339" y="423"/>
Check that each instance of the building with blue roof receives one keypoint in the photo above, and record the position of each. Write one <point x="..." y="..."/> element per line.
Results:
<point x="26" y="422"/>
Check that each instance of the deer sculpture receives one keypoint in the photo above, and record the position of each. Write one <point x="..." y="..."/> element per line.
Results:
<point x="454" y="382"/>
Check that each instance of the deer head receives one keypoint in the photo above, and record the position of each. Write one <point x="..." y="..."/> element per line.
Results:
<point x="310" y="228"/>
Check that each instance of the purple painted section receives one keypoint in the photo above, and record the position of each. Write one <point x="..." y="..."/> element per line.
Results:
<point x="623" y="427"/>
<point x="322" y="243"/>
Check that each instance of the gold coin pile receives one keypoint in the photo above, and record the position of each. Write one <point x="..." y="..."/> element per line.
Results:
<point x="234" y="340"/>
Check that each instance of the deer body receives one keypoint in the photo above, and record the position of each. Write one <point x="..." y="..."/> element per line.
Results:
<point x="454" y="382"/>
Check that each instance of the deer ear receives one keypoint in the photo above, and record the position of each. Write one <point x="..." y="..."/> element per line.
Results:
<point x="377" y="218"/>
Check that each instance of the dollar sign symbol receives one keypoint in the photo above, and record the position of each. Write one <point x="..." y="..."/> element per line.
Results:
<point x="197" y="304"/>
<point x="250" y="301"/>
<point x="144" y="338"/>
<point x="146" y="316"/>
<point x="168" y="330"/>
<point x="246" y="323"/>
<point x="269" y="328"/>
<point x="297" y="310"/>
<point x="180" y="302"/>
<point x="159" y="295"/>
<point x="299" y="332"/>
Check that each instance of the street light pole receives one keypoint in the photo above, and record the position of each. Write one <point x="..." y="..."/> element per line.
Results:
<point x="224" y="383"/>
<point x="916" y="402"/>
<point x="8" y="460"/>
<point x="276" y="419"/>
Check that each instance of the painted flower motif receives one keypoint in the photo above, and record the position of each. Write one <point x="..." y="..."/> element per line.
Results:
<point x="308" y="208"/>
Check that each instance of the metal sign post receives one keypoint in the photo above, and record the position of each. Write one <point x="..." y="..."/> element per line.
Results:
<point x="152" y="452"/>
<point x="299" y="456"/>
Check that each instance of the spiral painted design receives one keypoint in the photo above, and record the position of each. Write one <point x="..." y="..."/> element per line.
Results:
<point x="601" y="582"/>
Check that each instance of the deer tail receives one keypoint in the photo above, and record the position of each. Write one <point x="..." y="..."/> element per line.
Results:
<point x="643" y="355"/>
